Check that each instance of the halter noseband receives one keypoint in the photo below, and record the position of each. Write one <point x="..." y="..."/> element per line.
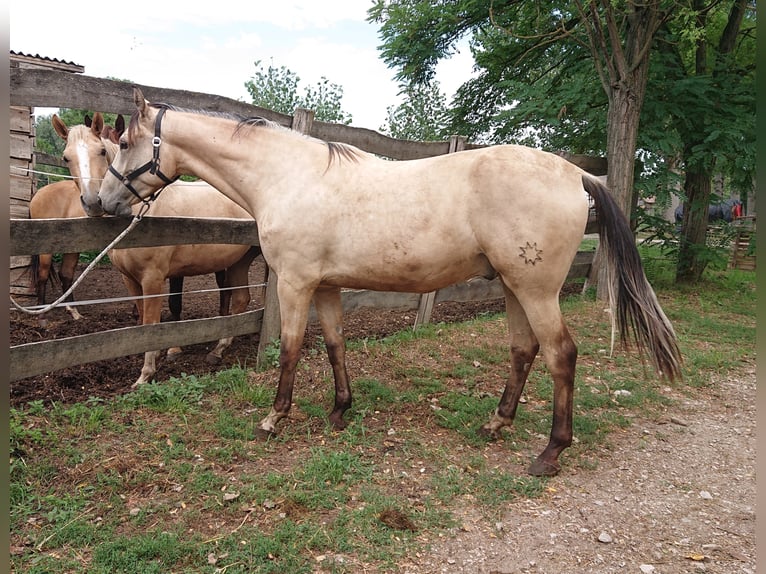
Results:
<point x="152" y="166"/>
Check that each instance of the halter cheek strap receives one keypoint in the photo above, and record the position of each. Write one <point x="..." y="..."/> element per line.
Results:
<point x="152" y="166"/>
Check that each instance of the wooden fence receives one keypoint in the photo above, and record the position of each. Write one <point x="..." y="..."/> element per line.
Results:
<point x="46" y="88"/>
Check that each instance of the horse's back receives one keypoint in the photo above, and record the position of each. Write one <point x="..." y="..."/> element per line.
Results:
<point x="424" y="224"/>
<point x="184" y="199"/>
<point x="195" y="199"/>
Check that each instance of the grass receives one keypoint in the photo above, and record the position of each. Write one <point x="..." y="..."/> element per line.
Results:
<point x="169" y="478"/>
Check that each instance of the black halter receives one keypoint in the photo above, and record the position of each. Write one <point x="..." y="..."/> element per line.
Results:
<point x="152" y="166"/>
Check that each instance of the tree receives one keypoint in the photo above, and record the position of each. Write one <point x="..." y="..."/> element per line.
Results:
<point x="422" y="116"/>
<point x="277" y="89"/>
<point x="722" y="86"/>
<point x="524" y="41"/>
<point x="537" y="64"/>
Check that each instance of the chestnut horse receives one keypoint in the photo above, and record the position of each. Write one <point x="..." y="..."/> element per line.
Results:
<point x="332" y="216"/>
<point x="145" y="269"/>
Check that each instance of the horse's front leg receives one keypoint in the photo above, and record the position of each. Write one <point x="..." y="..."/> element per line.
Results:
<point x="330" y="312"/>
<point x="294" y="311"/>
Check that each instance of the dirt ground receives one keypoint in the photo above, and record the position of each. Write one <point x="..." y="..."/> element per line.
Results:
<point x="103" y="379"/>
<point x="675" y="494"/>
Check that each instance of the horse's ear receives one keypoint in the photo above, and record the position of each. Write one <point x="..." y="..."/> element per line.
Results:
<point x="87" y="120"/>
<point x="98" y="124"/>
<point x="59" y="127"/>
<point x="139" y="100"/>
<point x="119" y="125"/>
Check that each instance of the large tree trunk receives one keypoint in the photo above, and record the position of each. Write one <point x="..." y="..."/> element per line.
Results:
<point x="698" y="190"/>
<point x="697" y="185"/>
<point x="628" y="72"/>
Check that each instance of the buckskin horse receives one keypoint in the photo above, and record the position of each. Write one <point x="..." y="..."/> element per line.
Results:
<point x="88" y="151"/>
<point x="331" y="216"/>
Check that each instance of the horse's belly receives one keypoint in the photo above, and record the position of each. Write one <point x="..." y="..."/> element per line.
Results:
<point x="409" y="275"/>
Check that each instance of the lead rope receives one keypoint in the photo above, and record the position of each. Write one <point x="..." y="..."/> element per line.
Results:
<point x="93" y="263"/>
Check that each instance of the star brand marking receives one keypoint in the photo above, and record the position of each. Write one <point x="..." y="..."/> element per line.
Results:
<point x="531" y="253"/>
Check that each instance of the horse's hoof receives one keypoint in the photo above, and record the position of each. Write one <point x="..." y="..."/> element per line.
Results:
<point x="544" y="468"/>
<point x="487" y="434"/>
<point x="338" y="423"/>
<point x="212" y="359"/>
<point x="173" y="354"/>
<point x="263" y="434"/>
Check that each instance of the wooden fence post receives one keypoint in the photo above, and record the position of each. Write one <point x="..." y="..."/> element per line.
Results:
<point x="271" y="328"/>
<point x="426" y="305"/>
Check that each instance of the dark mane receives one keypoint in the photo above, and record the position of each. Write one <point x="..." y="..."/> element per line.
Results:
<point x="337" y="151"/>
<point x="340" y="151"/>
<point x="133" y="125"/>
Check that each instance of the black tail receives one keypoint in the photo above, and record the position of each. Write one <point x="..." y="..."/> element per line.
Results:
<point x="632" y="299"/>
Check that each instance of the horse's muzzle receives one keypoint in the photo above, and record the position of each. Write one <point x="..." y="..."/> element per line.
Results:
<point x="91" y="209"/>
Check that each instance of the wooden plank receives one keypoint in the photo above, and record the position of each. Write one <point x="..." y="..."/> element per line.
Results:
<point x="21" y="146"/>
<point x="20" y="119"/>
<point x="19" y="211"/>
<point x="57" y="89"/>
<point x="20" y="187"/>
<point x="80" y="234"/>
<point x="47" y="159"/>
<point x="20" y="260"/>
<point x="45" y="356"/>
<point x="271" y="328"/>
<point x="41" y="357"/>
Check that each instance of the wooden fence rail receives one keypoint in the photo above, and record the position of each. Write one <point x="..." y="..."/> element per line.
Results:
<point x="49" y="88"/>
<point x="87" y="234"/>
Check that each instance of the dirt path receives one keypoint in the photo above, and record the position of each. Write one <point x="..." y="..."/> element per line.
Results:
<point x="672" y="495"/>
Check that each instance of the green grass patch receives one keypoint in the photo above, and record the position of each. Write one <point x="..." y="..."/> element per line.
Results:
<point x="169" y="478"/>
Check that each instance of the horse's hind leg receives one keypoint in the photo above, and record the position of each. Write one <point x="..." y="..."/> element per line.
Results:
<point x="233" y="301"/>
<point x="224" y="294"/>
<point x="330" y="312"/>
<point x="524" y="347"/>
<point x="560" y="354"/>
<point x="175" y="297"/>
<point x="41" y="271"/>
<point x="175" y="304"/>
<point x="66" y="275"/>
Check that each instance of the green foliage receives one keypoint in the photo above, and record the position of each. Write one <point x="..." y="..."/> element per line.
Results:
<point x="277" y="89"/>
<point x="542" y="79"/>
<point x="422" y="116"/>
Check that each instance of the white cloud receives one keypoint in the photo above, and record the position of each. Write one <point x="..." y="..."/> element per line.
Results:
<point x="185" y="45"/>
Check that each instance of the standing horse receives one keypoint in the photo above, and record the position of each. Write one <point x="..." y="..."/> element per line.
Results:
<point x="331" y="216"/>
<point x="60" y="199"/>
<point x="144" y="269"/>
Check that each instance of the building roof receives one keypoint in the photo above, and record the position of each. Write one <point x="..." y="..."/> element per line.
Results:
<point x="19" y="59"/>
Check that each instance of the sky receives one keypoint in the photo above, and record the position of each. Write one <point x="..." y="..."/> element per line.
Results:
<point x="186" y="45"/>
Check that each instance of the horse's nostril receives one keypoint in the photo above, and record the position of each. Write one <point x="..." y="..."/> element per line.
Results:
<point x="99" y="200"/>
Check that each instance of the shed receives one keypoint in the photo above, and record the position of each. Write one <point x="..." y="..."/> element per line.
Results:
<point x="23" y="182"/>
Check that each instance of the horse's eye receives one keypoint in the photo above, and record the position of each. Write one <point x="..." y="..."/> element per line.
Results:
<point x="123" y="145"/>
<point x="103" y="151"/>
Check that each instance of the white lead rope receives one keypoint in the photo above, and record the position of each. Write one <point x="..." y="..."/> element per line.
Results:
<point x="93" y="263"/>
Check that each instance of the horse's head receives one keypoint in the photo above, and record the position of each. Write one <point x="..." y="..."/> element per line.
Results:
<point x="87" y="155"/>
<point x="135" y="173"/>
